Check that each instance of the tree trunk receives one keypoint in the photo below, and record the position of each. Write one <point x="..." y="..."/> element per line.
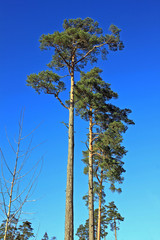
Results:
<point x="99" y="209"/>
<point x="90" y="175"/>
<point x="115" y="229"/>
<point x="11" y="191"/>
<point x="69" y="227"/>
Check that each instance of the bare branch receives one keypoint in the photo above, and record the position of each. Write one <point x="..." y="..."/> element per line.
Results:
<point x="32" y="131"/>
<point x="16" y="196"/>
<point x="62" y="56"/>
<point x="5" y="162"/>
<point x="97" y="46"/>
<point x="9" y="141"/>
<point x="94" y="138"/>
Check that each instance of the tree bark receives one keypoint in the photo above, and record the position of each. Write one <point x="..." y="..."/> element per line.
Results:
<point x="69" y="227"/>
<point x="99" y="209"/>
<point x="115" y="229"/>
<point x="90" y="175"/>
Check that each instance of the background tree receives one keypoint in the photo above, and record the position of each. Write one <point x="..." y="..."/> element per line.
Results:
<point x="15" y="189"/>
<point x="45" y="237"/>
<point x="12" y="228"/>
<point x="83" y="230"/>
<point x="80" y="42"/>
<point x="23" y="232"/>
<point x="109" y="165"/>
<point x="114" y="217"/>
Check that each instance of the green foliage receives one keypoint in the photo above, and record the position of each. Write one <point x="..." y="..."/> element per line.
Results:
<point x="109" y="216"/>
<point x="80" y="36"/>
<point x="91" y="99"/>
<point x="81" y="41"/>
<point x="113" y="216"/>
<point x="25" y="231"/>
<point x="107" y="155"/>
<point x="92" y="92"/>
<point x="10" y="233"/>
<point x="47" y="82"/>
<point x="21" y="232"/>
<point x="83" y="230"/>
<point x="109" y="152"/>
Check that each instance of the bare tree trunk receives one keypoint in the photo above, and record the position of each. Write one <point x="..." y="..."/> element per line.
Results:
<point x="90" y="175"/>
<point x="14" y="191"/>
<point x="12" y="185"/>
<point x="9" y="206"/>
<point x="99" y="209"/>
<point x="69" y="227"/>
<point x="115" y="229"/>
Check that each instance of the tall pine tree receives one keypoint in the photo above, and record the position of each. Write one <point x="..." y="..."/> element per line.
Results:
<point x="107" y="163"/>
<point x="80" y="42"/>
<point x="92" y="94"/>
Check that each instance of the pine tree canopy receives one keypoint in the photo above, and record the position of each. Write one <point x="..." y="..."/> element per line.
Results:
<point x="78" y="38"/>
<point x="47" y="82"/>
<point x="80" y="41"/>
<point x="92" y="92"/>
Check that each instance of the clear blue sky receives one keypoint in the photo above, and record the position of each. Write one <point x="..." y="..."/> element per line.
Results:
<point x="134" y="73"/>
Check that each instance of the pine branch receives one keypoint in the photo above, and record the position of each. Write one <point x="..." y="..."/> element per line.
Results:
<point x="97" y="46"/>
<point x="61" y="101"/>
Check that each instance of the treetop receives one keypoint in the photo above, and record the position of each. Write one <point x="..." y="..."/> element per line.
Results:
<point x="81" y="39"/>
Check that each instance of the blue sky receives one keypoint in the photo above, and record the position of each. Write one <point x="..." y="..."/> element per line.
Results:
<point x="134" y="74"/>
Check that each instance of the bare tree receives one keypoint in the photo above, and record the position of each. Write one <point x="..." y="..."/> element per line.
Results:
<point x="16" y="183"/>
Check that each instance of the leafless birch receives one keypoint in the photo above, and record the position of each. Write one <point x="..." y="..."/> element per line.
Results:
<point x="16" y="183"/>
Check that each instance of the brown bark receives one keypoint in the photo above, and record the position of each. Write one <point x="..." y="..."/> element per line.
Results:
<point x="99" y="208"/>
<point x="115" y="231"/>
<point x="90" y="176"/>
<point x="69" y="226"/>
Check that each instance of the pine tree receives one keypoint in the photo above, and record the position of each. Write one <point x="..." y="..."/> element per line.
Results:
<point x="114" y="217"/>
<point x="45" y="237"/>
<point x="11" y="229"/>
<point x="108" y="164"/>
<point x="25" y="231"/>
<point x="80" y="42"/>
<point x="83" y="230"/>
<point x="92" y="94"/>
<point x="21" y="232"/>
